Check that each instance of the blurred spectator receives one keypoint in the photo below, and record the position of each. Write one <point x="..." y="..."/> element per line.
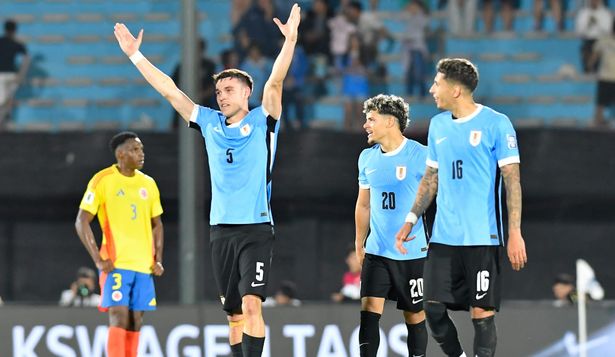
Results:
<point x="229" y="59"/>
<point x="506" y="7"/>
<point x="558" y="8"/>
<point x="286" y="295"/>
<point x="351" y="289"/>
<point x="604" y="51"/>
<point x="206" y="68"/>
<point x="414" y="47"/>
<point x="315" y="30"/>
<point x="257" y="25"/>
<point x="293" y="90"/>
<point x="564" y="290"/>
<point x="355" y="85"/>
<point x="1" y="301"/>
<point x="238" y="9"/>
<point x="259" y="68"/>
<point x="82" y="291"/>
<point x="10" y="75"/>
<point x="341" y="29"/>
<point x="370" y="29"/>
<point x="593" y="21"/>
<point x="461" y="16"/>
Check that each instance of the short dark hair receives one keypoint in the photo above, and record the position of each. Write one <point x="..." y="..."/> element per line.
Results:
<point x="356" y="5"/>
<point x="85" y="272"/>
<point x="288" y="288"/>
<point x="564" y="278"/>
<point x="235" y="73"/>
<point x="391" y="105"/>
<point x="459" y="70"/>
<point x="120" y="138"/>
<point x="10" y="26"/>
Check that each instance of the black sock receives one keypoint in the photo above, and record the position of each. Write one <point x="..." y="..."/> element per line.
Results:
<point x="252" y="346"/>
<point x="369" y="334"/>
<point x="443" y="329"/>
<point x="417" y="339"/>
<point x="485" y="336"/>
<point x="236" y="350"/>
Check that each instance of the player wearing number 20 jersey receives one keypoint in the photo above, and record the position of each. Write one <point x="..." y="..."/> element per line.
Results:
<point x="392" y="179"/>
<point x="468" y="153"/>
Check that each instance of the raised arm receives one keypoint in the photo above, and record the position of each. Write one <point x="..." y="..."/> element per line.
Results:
<point x="516" y="245"/>
<point x="158" y="233"/>
<point x="272" y="93"/>
<point x="84" y="230"/>
<point x="424" y="196"/>
<point x="361" y="219"/>
<point x="156" y="78"/>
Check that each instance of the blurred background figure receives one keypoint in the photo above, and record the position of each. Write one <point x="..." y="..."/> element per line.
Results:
<point x="461" y="16"/>
<point x="82" y="291"/>
<point x="415" y="53"/>
<point x="564" y="290"/>
<point x="507" y="9"/>
<point x="557" y="7"/>
<point x="11" y="75"/>
<point x="593" y="21"/>
<point x="604" y="56"/>
<point x="259" y="68"/>
<point x="355" y="84"/>
<point x="351" y="288"/>
<point x="286" y="295"/>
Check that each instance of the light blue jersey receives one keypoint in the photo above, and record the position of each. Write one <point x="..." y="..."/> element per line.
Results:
<point x="468" y="153"/>
<point x="393" y="179"/>
<point x="240" y="162"/>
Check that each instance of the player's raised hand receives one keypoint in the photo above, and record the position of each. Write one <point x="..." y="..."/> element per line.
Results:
<point x="128" y="43"/>
<point x="289" y="29"/>
<point x="402" y="236"/>
<point x="516" y="250"/>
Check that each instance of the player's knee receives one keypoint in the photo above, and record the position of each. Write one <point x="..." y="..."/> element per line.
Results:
<point x="118" y="318"/>
<point x="236" y="320"/>
<point x="437" y="318"/>
<point x="414" y="318"/>
<point x="251" y="305"/>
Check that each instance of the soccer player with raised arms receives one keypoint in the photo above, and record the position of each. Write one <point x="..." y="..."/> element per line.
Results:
<point x="127" y="203"/>
<point x="241" y="145"/>
<point x="389" y="176"/>
<point x="471" y="148"/>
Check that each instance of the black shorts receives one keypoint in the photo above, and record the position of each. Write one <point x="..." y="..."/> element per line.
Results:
<point x="399" y="280"/>
<point x="461" y="277"/>
<point x="241" y="258"/>
<point x="606" y="93"/>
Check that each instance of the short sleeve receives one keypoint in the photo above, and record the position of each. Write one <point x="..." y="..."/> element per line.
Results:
<point x="506" y="149"/>
<point x="203" y="115"/>
<point x="92" y="196"/>
<point x="156" y="205"/>
<point x="432" y="156"/>
<point x="363" y="183"/>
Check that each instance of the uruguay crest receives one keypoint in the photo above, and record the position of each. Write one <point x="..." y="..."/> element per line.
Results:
<point x="245" y="130"/>
<point x="475" y="136"/>
<point x="400" y="172"/>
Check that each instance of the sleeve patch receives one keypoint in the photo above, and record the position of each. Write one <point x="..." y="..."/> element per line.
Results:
<point x="89" y="197"/>
<point x="511" y="141"/>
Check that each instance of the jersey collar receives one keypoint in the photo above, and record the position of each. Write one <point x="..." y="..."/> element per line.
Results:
<point x="479" y="107"/>
<point x="396" y="151"/>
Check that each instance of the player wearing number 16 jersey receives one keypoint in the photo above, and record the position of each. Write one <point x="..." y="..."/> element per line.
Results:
<point x="389" y="175"/>
<point x="470" y="147"/>
<point x="127" y="203"/>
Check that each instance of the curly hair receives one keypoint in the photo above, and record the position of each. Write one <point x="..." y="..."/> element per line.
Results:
<point x="235" y="73"/>
<point x="391" y="105"/>
<point x="459" y="70"/>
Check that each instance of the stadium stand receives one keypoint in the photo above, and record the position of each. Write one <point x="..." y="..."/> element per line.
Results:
<point x="83" y="76"/>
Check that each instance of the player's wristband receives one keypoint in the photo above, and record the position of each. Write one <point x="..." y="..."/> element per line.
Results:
<point x="412" y="218"/>
<point x="136" y="57"/>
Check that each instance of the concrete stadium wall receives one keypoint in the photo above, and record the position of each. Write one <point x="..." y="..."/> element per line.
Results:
<point x="569" y="205"/>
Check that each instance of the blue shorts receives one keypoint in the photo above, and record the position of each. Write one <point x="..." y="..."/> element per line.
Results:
<point x="123" y="287"/>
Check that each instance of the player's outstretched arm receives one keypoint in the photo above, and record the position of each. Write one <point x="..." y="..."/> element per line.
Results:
<point x="86" y="235"/>
<point x="158" y="234"/>
<point x="424" y="196"/>
<point x="155" y="77"/>
<point x="516" y="244"/>
<point x="272" y="93"/>
<point x="361" y="219"/>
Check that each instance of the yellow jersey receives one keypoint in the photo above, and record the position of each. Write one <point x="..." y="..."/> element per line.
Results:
<point x="125" y="207"/>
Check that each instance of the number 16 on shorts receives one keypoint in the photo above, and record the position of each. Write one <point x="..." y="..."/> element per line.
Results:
<point x="482" y="284"/>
